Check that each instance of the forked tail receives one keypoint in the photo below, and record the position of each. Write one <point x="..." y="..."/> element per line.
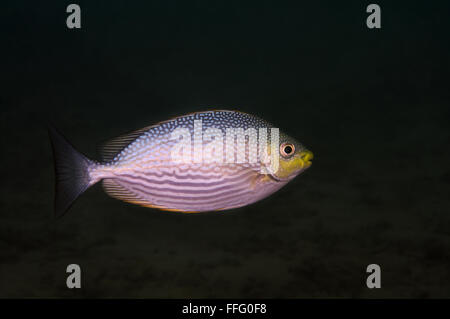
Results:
<point x="71" y="172"/>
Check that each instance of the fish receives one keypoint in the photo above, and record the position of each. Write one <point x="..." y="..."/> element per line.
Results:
<point x="206" y="161"/>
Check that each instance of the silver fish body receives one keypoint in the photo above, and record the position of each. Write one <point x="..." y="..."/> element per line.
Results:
<point x="140" y="168"/>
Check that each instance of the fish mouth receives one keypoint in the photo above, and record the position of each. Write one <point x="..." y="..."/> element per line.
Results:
<point x="305" y="157"/>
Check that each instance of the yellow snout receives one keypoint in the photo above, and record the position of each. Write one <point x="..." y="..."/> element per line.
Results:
<point x="305" y="157"/>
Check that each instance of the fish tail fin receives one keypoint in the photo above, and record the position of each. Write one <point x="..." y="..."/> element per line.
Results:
<point x="71" y="172"/>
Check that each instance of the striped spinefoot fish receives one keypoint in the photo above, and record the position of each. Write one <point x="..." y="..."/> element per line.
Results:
<point x="140" y="167"/>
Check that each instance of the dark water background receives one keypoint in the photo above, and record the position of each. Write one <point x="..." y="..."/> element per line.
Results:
<point x="373" y="106"/>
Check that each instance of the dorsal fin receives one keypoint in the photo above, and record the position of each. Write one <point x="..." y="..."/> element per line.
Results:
<point x="109" y="149"/>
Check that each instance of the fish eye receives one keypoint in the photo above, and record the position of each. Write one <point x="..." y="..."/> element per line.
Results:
<point x="287" y="149"/>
